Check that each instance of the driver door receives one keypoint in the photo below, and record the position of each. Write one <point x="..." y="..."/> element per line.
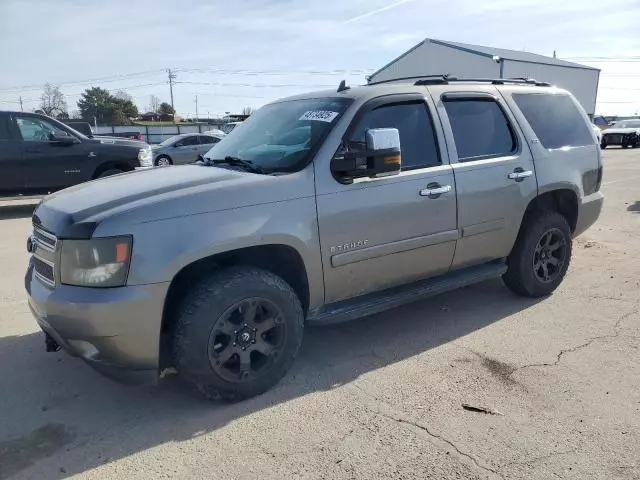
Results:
<point x="48" y="165"/>
<point x="186" y="150"/>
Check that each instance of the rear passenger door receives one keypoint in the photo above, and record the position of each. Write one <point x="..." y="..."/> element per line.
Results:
<point x="206" y="142"/>
<point x="493" y="169"/>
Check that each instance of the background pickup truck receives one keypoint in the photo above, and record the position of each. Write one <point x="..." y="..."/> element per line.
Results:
<point x="39" y="155"/>
<point x="85" y="129"/>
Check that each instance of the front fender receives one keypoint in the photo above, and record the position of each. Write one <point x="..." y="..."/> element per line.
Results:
<point x="164" y="247"/>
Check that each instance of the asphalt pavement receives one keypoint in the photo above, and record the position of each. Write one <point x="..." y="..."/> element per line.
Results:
<point x="377" y="398"/>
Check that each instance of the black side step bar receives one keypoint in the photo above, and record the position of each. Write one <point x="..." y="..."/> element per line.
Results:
<point x="394" y="297"/>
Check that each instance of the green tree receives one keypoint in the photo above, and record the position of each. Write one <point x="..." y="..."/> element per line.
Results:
<point x="166" y="109"/>
<point x="106" y="108"/>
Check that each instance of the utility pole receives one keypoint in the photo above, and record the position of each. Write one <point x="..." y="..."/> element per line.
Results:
<point x="21" y="108"/>
<point x="172" y="77"/>
<point x="196" y="108"/>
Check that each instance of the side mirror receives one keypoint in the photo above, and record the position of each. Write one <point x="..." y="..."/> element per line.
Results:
<point x="62" y="138"/>
<point x="381" y="156"/>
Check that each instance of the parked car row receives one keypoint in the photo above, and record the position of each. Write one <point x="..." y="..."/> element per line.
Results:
<point x="85" y="129"/>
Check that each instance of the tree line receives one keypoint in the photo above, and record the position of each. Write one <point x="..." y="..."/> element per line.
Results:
<point x="98" y="104"/>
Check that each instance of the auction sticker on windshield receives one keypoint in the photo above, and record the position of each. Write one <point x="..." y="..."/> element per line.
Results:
<point x="319" y="115"/>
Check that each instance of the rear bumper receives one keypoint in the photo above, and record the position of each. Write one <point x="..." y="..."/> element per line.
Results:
<point x="115" y="330"/>
<point x="589" y="212"/>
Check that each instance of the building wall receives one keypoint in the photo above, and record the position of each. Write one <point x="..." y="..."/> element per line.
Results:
<point x="582" y="83"/>
<point x="433" y="59"/>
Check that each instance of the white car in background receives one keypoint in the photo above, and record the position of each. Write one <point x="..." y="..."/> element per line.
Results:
<point x="228" y="127"/>
<point x="598" y="133"/>
<point x="215" y="133"/>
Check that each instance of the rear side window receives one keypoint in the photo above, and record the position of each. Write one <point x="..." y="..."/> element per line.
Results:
<point x="189" y="141"/>
<point x="4" y="129"/>
<point x="480" y="129"/>
<point x="207" y="140"/>
<point x="555" y="119"/>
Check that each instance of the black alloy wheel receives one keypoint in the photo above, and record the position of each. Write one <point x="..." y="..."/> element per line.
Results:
<point x="549" y="256"/>
<point x="247" y="339"/>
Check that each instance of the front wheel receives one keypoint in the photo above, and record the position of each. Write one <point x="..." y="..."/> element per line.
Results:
<point x="237" y="333"/>
<point x="163" y="161"/>
<point x="541" y="256"/>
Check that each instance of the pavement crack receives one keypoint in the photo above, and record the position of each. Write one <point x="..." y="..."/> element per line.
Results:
<point x="615" y="333"/>
<point x="391" y="413"/>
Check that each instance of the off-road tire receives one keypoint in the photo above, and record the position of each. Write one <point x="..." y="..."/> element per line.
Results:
<point x="205" y="305"/>
<point x="520" y="276"/>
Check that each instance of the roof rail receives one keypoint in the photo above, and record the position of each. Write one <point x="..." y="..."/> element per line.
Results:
<point x="446" y="79"/>
<point x="494" y="81"/>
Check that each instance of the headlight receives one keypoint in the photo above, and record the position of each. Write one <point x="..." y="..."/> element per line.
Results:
<point x="98" y="262"/>
<point x="145" y="157"/>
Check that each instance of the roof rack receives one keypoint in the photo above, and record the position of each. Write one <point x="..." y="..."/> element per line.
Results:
<point x="446" y="79"/>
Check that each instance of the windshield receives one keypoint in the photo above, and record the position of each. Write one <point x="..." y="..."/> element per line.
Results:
<point x="170" y="140"/>
<point x="282" y="136"/>
<point x="627" y="124"/>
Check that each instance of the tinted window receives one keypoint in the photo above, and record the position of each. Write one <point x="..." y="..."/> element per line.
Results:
<point x="480" y="129"/>
<point x="34" y="129"/>
<point x="206" y="140"/>
<point x="4" y="129"/>
<point x="555" y="119"/>
<point x="188" y="141"/>
<point x="417" y="138"/>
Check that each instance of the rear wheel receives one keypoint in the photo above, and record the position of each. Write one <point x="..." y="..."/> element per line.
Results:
<point x="541" y="256"/>
<point x="237" y="333"/>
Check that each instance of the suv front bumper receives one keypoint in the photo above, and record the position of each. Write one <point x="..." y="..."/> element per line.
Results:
<point x="115" y="330"/>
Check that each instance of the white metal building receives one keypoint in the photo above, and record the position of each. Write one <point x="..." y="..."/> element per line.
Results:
<point x="437" y="57"/>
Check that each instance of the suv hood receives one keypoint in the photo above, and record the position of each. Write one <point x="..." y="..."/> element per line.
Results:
<point x="160" y="193"/>
<point x="620" y="130"/>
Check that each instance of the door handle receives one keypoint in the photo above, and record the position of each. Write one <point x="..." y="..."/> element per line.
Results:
<point x="519" y="174"/>
<point x="434" y="190"/>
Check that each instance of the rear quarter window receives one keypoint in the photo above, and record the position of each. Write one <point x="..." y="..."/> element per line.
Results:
<point x="4" y="129"/>
<point x="555" y="119"/>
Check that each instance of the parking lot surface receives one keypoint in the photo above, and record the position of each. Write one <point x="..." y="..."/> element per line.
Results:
<point x="377" y="398"/>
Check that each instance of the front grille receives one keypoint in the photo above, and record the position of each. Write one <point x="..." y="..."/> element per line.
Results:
<point x="44" y="255"/>
<point x="45" y="239"/>
<point x="613" y="138"/>
<point x="44" y="271"/>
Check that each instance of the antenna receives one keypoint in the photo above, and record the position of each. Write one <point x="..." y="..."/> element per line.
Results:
<point x="343" y="86"/>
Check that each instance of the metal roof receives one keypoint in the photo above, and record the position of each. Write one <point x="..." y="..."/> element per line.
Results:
<point x="490" y="52"/>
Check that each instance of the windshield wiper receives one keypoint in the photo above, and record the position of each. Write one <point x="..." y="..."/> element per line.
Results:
<point x="247" y="165"/>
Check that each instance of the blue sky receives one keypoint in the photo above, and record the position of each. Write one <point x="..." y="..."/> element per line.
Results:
<point x="248" y="52"/>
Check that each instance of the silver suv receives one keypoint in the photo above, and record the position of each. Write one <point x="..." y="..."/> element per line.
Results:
<point x="321" y="208"/>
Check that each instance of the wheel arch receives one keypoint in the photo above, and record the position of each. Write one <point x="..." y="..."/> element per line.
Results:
<point x="563" y="199"/>
<point x="279" y="259"/>
<point x="111" y="165"/>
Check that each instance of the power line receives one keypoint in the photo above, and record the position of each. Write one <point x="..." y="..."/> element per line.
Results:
<point x="257" y="85"/>
<point x="113" y="78"/>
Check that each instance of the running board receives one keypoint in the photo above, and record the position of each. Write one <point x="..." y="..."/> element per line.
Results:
<point x="377" y="302"/>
